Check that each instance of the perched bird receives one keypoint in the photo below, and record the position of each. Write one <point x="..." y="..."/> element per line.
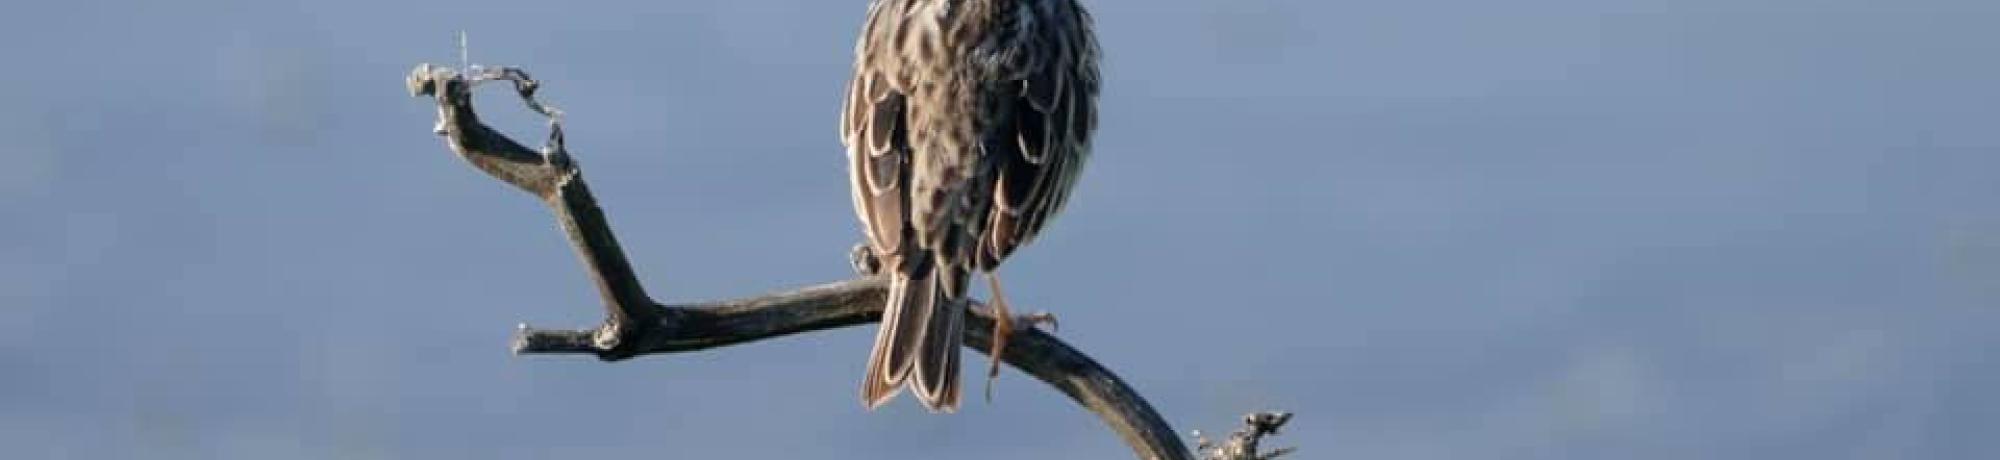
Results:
<point x="966" y="124"/>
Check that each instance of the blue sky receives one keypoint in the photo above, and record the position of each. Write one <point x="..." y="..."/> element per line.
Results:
<point x="1441" y="229"/>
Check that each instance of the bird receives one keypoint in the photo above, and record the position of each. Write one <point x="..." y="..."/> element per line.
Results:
<point x="966" y="124"/>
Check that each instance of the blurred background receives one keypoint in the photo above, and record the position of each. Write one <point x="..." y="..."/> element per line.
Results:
<point x="1433" y="229"/>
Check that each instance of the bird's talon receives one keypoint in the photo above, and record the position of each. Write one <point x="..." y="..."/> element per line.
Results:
<point x="864" y="260"/>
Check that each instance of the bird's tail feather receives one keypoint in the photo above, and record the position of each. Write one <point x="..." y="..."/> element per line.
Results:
<point x="937" y="376"/>
<point x="921" y="330"/>
<point x="889" y="362"/>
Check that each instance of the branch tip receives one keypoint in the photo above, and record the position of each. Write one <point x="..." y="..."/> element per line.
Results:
<point x="1243" y="443"/>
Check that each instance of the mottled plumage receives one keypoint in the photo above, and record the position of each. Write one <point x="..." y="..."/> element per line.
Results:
<point x="966" y="125"/>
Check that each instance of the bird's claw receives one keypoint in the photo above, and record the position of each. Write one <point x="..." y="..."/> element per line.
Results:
<point x="1004" y="328"/>
<point x="864" y="260"/>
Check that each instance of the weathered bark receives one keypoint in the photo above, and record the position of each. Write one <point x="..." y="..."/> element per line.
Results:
<point x="636" y="325"/>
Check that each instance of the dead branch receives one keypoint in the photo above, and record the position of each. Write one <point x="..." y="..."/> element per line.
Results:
<point x="636" y="325"/>
<point x="1242" y="444"/>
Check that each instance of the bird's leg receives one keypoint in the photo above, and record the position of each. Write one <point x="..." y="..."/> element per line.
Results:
<point x="1003" y="328"/>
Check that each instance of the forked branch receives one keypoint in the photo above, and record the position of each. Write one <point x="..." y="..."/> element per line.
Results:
<point x="636" y="325"/>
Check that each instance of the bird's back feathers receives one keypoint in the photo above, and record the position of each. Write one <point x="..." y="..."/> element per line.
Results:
<point x="966" y="124"/>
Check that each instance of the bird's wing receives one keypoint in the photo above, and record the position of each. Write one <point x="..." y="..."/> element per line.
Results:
<point x="1052" y="124"/>
<point x="872" y="125"/>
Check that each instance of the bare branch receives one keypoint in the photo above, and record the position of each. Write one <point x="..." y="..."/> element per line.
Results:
<point x="636" y="325"/>
<point x="550" y="175"/>
<point x="1242" y="444"/>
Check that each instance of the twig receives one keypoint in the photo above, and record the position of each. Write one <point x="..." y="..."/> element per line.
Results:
<point x="1242" y="444"/>
<point x="636" y="325"/>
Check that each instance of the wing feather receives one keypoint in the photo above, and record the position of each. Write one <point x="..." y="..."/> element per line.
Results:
<point x="874" y="128"/>
<point x="1052" y="122"/>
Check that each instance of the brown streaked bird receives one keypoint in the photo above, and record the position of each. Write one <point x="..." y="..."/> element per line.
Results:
<point x="966" y="125"/>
